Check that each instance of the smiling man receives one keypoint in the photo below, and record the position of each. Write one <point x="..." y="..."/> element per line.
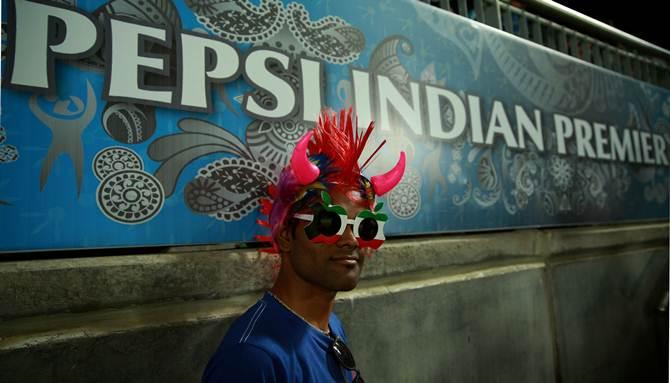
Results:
<point x="325" y="220"/>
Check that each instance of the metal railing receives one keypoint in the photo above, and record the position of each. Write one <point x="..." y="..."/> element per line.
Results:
<point x="563" y="29"/>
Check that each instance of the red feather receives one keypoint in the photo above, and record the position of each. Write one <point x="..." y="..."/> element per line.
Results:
<point x="263" y="238"/>
<point x="336" y="136"/>
<point x="266" y="206"/>
<point x="272" y="191"/>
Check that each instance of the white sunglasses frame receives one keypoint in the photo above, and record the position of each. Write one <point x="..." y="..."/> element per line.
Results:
<point x="355" y="223"/>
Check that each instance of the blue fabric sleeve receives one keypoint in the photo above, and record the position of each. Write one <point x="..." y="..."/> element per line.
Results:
<point x="242" y="363"/>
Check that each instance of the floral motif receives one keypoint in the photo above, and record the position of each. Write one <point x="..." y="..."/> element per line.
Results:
<point x="8" y="153"/>
<point x="114" y="159"/>
<point x="454" y="172"/>
<point x="130" y="196"/>
<point x="561" y="172"/>
<point x="486" y="173"/>
<point x="404" y="201"/>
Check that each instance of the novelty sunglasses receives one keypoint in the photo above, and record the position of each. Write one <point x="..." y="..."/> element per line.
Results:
<point x="329" y="222"/>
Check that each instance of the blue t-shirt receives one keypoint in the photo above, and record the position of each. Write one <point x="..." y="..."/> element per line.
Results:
<point x="269" y="343"/>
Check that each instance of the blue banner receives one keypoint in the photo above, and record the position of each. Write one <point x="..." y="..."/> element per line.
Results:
<point x="143" y="123"/>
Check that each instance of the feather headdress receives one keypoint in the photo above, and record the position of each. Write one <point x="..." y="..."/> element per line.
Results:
<point x="335" y="147"/>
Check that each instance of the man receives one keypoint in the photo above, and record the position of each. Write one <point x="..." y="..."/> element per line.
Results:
<point x="324" y="220"/>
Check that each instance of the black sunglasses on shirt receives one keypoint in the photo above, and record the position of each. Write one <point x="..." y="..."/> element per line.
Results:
<point x="345" y="358"/>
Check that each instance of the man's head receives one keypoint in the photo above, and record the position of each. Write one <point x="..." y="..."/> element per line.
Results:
<point x="323" y="210"/>
<point x="334" y="262"/>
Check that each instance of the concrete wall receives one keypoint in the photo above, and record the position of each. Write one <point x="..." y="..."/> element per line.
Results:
<point x="558" y="305"/>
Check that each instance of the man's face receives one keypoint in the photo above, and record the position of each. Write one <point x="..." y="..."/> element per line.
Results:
<point x="334" y="267"/>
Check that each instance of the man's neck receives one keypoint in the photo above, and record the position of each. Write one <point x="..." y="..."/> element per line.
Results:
<point x="314" y="305"/>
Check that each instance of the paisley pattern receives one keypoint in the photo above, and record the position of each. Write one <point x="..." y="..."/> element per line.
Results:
<point x="608" y="92"/>
<point x="489" y="189"/>
<point x="160" y="12"/>
<point x="271" y="142"/>
<point x="198" y="138"/>
<point x="8" y="153"/>
<point x="385" y="60"/>
<point x="405" y="198"/>
<point x="466" y="36"/>
<point x="655" y="181"/>
<point x="219" y="164"/>
<point x="285" y="41"/>
<point x="520" y="169"/>
<point x="560" y="185"/>
<point x="228" y="189"/>
<point x="555" y="85"/>
<point x="486" y="172"/>
<point x="330" y="38"/>
<point x="290" y="30"/>
<point x="291" y="76"/>
<point x="3" y="45"/>
<point x="239" y="20"/>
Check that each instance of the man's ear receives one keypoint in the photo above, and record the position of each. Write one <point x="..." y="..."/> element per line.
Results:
<point x="284" y="239"/>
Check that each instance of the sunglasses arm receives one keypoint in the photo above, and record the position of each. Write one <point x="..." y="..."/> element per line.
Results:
<point x="304" y="217"/>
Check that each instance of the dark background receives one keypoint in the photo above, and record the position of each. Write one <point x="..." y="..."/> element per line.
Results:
<point x="646" y="20"/>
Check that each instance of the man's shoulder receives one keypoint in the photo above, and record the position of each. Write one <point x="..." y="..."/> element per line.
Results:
<point x="336" y="326"/>
<point x="243" y="361"/>
<point x="251" y="349"/>
<point x="268" y="343"/>
<point x="263" y="326"/>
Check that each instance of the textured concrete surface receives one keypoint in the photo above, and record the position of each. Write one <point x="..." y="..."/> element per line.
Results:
<point x="620" y="237"/>
<point x="438" y="318"/>
<point x="150" y="343"/>
<point x="565" y="305"/>
<point x="490" y="325"/>
<point x="168" y="353"/>
<point x="37" y="287"/>
<point x="608" y="324"/>
<point x="85" y="284"/>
